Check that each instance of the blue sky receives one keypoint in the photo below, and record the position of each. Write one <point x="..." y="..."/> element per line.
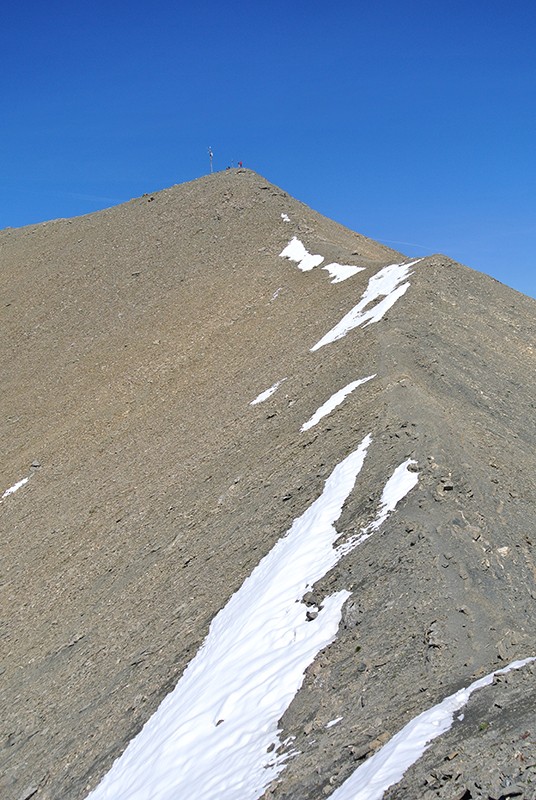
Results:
<point x="411" y="122"/>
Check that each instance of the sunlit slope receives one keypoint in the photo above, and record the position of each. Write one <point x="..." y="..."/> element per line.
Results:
<point x="136" y="340"/>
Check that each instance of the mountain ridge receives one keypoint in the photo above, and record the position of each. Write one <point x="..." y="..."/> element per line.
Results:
<point x="132" y="358"/>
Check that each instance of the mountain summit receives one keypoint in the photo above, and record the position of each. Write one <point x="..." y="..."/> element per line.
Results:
<point x="280" y="475"/>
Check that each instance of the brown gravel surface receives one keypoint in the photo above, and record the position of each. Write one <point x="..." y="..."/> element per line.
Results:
<point x="134" y="341"/>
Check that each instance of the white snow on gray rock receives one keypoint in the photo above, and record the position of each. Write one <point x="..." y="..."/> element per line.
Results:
<point x="388" y="765"/>
<point x="295" y="251"/>
<point x="15" y="487"/>
<point x="387" y="283"/>
<point x="214" y="737"/>
<point x="333" y="722"/>
<point x="397" y="487"/>
<point x="341" y="272"/>
<point x="332" y="403"/>
<point x="267" y="393"/>
<point x="210" y="737"/>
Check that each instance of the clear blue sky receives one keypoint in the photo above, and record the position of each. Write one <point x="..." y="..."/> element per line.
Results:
<point x="411" y="122"/>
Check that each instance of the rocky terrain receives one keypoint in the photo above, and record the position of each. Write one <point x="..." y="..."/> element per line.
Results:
<point x="134" y="342"/>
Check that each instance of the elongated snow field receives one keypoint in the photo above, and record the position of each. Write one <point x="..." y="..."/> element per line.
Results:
<point x="15" y="487"/>
<point x="387" y="283"/>
<point x="267" y="393"/>
<point x="333" y="401"/>
<point x="211" y="736"/>
<point x="388" y="765"/>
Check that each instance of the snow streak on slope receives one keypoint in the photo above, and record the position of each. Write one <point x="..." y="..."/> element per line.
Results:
<point x="399" y="484"/>
<point x="387" y="284"/>
<point x="15" y="487"/>
<point x="209" y="738"/>
<point x="388" y="765"/>
<point x="341" y="272"/>
<point x="335" y="400"/>
<point x="397" y="487"/>
<point x="267" y="393"/>
<point x="295" y="251"/>
<point x="333" y="722"/>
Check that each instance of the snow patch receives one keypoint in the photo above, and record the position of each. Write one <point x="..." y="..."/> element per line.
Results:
<point x="15" y="487"/>
<point x="397" y="487"/>
<point x="210" y="737"/>
<point x="388" y="765"/>
<point x="335" y="400"/>
<point x="267" y="393"/>
<point x="333" y="722"/>
<point x="341" y="272"/>
<point x="295" y="251"/>
<point x="387" y="283"/>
